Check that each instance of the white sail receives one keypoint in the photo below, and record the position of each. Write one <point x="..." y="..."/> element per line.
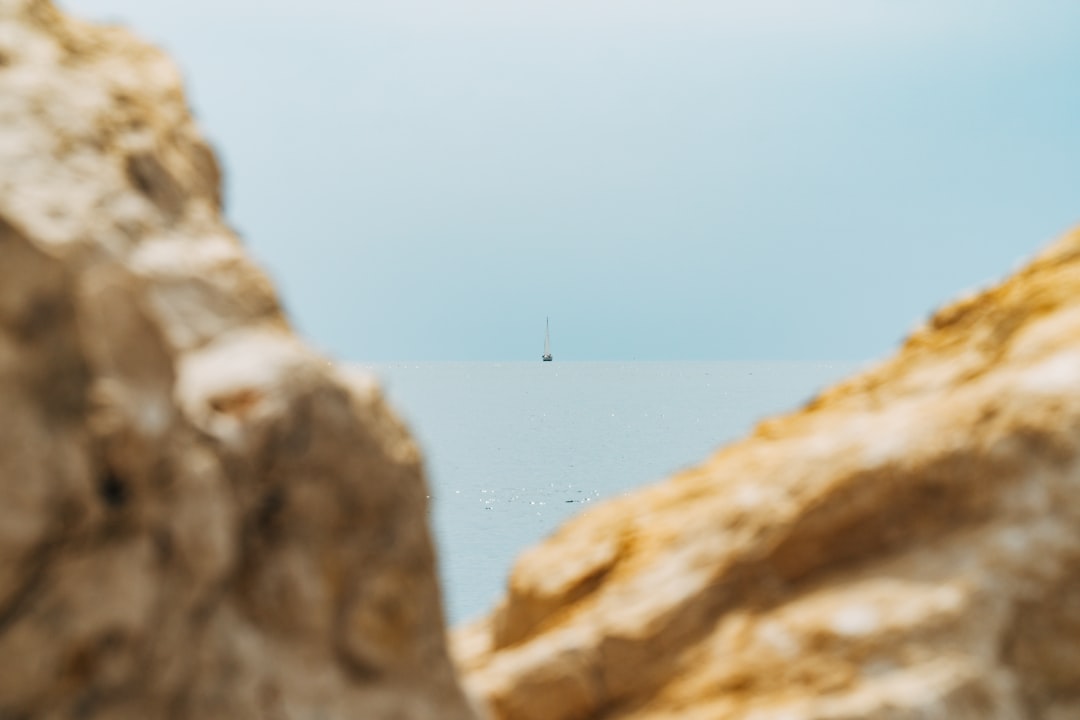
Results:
<point x="547" y="336"/>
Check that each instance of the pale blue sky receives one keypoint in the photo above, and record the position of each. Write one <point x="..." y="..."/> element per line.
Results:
<point x="667" y="179"/>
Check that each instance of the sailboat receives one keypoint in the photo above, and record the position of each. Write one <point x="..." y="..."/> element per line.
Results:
<point x="546" y="357"/>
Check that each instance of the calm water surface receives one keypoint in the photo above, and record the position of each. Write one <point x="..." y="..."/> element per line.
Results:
<point x="514" y="449"/>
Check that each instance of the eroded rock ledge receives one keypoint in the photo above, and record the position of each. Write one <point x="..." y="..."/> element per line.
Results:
<point x="906" y="546"/>
<point x="199" y="516"/>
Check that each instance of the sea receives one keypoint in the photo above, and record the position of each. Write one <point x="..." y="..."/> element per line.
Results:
<point x="514" y="449"/>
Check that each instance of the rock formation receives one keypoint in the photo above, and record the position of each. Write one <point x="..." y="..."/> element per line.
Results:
<point x="905" y="546"/>
<point x="199" y="516"/>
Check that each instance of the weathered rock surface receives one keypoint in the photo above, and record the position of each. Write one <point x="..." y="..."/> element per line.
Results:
<point x="905" y="546"/>
<point x="199" y="516"/>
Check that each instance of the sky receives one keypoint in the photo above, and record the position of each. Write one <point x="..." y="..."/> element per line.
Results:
<point x="665" y="179"/>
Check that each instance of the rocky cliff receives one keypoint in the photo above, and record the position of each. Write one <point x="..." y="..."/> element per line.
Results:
<point x="905" y="546"/>
<point x="199" y="516"/>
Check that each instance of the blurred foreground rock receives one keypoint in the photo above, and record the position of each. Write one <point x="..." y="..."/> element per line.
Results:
<point x="199" y="517"/>
<point x="905" y="547"/>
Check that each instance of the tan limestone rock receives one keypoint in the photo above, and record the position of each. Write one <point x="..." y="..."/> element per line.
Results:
<point x="199" y="516"/>
<point x="905" y="546"/>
